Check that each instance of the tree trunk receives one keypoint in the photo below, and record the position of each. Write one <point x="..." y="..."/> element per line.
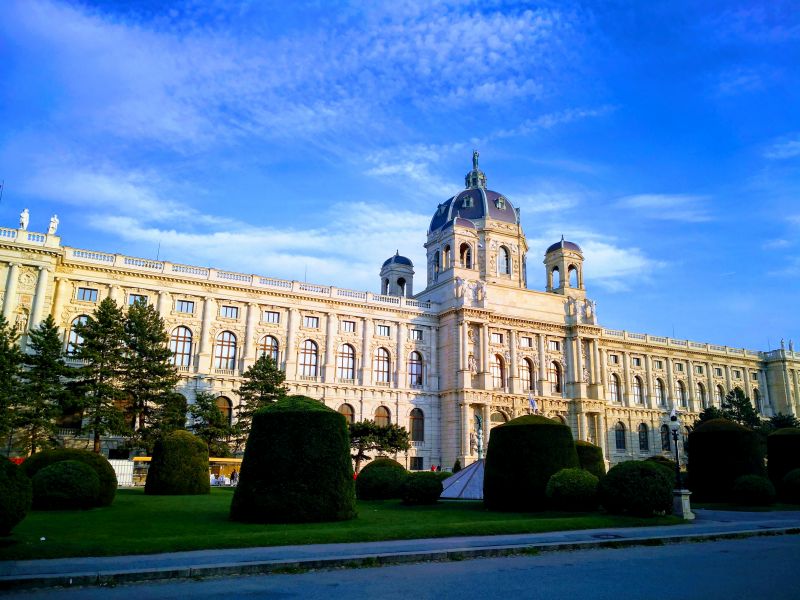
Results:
<point x="96" y="448"/>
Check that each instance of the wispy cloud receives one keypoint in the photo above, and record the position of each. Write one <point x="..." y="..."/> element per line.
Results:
<point x="786" y="147"/>
<point x="551" y="120"/>
<point x="687" y="208"/>
<point x="776" y="244"/>
<point x="740" y="80"/>
<point x="766" y="22"/>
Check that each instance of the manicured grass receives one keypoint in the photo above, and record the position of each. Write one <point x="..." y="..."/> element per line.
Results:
<point x="138" y="524"/>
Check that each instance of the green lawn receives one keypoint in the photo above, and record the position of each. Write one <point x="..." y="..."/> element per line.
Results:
<point x="137" y="524"/>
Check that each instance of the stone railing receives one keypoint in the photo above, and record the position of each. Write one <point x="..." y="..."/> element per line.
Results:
<point x="673" y="343"/>
<point x="30" y="238"/>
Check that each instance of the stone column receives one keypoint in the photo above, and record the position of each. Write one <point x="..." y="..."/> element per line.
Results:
<point x="400" y="363"/>
<point x="63" y="289"/>
<point x="486" y="415"/>
<point x="671" y="400"/>
<point x="728" y="386"/>
<point x="290" y="352"/>
<point x="366" y="354"/>
<point x="691" y="393"/>
<point x="513" y="367"/>
<point x="163" y="304"/>
<point x="712" y="391"/>
<point x="602" y="434"/>
<point x="583" y="426"/>
<point x="433" y="371"/>
<point x="465" y="429"/>
<point x="204" y="352"/>
<point x="115" y="293"/>
<point x="329" y="370"/>
<point x="649" y="401"/>
<point x="542" y="366"/>
<point x="577" y="348"/>
<point x="485" y="348"/>
<point x="249" y="335"/>
<point x="764" y="390"/>
<point x="626" y="373"/>
<point x="10" y="298"/>
<point x="37" y="307"/>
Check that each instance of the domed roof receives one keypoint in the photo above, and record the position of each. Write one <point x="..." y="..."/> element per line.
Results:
<point x="398" y="260"/>
<point x="564" y="244"/>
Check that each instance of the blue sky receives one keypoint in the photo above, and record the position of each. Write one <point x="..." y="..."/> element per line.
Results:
<point x="295" y="138"/>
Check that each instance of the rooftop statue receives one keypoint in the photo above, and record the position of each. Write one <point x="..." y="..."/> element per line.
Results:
<point x="24" y="217"/>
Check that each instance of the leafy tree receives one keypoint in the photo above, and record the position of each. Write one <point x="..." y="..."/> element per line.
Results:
<point x="367" y="437"/>
<point x="43" y="389"/>
<point x="263" y="384"/>
<point x="738" y="408"/>
<point x="210" y="424"/>
<point x="781" y="421"/>
<point x="711" y="412"/>
<point x="10" y="366"/>
<point x="170" y="414"/>
<point x="148" y="377"/>
<point x="99" y="380"/>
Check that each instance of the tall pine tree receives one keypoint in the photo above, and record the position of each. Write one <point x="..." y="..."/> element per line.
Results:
<point x="210" y="424"/>
<point x="10" y="366"/>
<point x="99" y="380"/>
<point x="263" y="384"/>
<point x="43" y="390"/>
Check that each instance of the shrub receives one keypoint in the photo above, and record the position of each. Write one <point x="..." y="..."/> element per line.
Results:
<point x="15" y="496"/>
<point x="590" y="458"/>
<point x="456" y="466"/>
<point x="422" y="488"/>
<point x="523" y="454"/>
<point x="636" y="487"/>
<point x="98" y="462"/>
<point x="65" y="485"/>
<point x="668" y="466"/>
<point x="296" y="466"/>
<point x="179" y="466"/>
<point x="381" y="479"/>
<point x="721" y="451"/>
<point x="572" y="489"/>
<point x="753" y="490"/>
<point x="783" y="453"/>
<point x="790" y="487"/>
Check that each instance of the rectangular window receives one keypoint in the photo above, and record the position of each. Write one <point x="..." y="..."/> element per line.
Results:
<point x="184" y="306"/>
<point x="348" y="326"/>
<point x="679" y="367"/>
<point x="311" y="322"/>
<point x="271" y="316"/>
<point x="416" y="335"/>
<point x="754" y="376"/>
<point x="229" y="312"/>
<point x="698" y="369"/>
<point x="134" y="298"/>
<point x="658" y="364"/>
<point x="717" y="372"/>
<point x="87" y="294"/>
<point x="383" y="330"/>
<point x="614" y="359"/>
<point x="497" y="338"/>
<point x="525" y="342"/>
<point x="554" y="345"/>
<point x="416" y="463"/>
<point x="737" y="374"/>
<point x="637" y="362"/>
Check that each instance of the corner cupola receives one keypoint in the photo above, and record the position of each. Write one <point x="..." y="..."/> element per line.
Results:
<point x="397" y="276"/>
<point x="564" y="269"/>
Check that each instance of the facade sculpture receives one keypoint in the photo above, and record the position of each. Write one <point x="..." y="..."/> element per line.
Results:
<point x="475" y="346"/>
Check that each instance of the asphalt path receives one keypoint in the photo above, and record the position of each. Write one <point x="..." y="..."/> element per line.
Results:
<point x="753" y="568"/>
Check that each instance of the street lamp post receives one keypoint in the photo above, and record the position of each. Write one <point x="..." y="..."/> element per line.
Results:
<point x="675" y="426"/>
<point x="680" y="497"/>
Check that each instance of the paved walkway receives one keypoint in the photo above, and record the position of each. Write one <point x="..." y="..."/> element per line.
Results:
<point x="208" y="563"/>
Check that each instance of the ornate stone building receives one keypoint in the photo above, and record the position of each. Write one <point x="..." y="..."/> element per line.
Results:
<point x="472" y="350"/>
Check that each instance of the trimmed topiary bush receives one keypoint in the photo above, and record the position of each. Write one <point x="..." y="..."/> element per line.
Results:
<point x="783" y="453"/>
<point x="590" y="458"/>
<point x="15" y="496"/>
<point x="636" y="487"/>
<point x="296" y="466"/>
<point x="753" y="490"/>
<point x="381" y="479"/>
<point x="179" y="466"/>
<point x="98" y="462"/>
<point x="721" y="451"/>
<point x="790" y="487"/>
<point x="668" y="465"/>
<point x="66" y="485"/>
<point x="523" y="454"/>
<point x="572" y="489"/>
<point x="422" y="488"/>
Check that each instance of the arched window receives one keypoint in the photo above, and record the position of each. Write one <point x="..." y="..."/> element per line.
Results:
<point x="503" y="261"/>
<point x="385" y="287"/>
<point x="497" y="369"/>
<point x="720" y="395"/>
<point x="680" y="393"/>
<point x="225" y="406"/>
<point x="348" y="412"/>
<point x="346" y="362"/>
<point x="180" y="343"/>
<point x="701" y="395"/>
<point x="268" y="345"/>
<point x="309" y="359"/>
<point x="572" y="272"/>
<point x="619" y="434"/>
<point x="437" y="262"/>
<point x="756" y="400"/>
<point x="661" y="393"/>
<point x="381" y="366"/>
<point x="416" y="422"/>
<point x="644" y="438"/>
<point x="638" y="392"/>
<point x="415" y="369"/>
<point x="613" y="388"/>
<point x="382" y="416"/>
<point x="526" y="374"/>
<point x="74" y="340"/>
<point x="554" y="377"/>
<point x="401" y="286"/>
<point x="225" y="351"/>
<point x="665" y="443"/>
<point x="465" y="255"/>
<point x="497" y="418"/>
<point x="448" y="257"/>
<point x="555" y="274"/>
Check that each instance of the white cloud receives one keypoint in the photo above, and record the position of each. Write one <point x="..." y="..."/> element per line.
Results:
<point x="788" y="147"/>
<point x="740" y="80"/>
<point x="686" y="208"/>
<point x="776" y="244"/>
<point x="550" y="120"/>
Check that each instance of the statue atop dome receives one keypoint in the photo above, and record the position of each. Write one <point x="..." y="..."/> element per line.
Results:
<point x="475" y="178"/>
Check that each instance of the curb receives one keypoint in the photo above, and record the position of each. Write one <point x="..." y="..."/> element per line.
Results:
<point x="281" y="567"/>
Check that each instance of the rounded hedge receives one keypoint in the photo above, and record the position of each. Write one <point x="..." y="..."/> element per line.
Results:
<point x="753" y="490"/>
<point x="65" y="485"/>
<point x="721" y="451"/>
<point x="572" y="489"/>
<point x="105" y="472"/>
<point x="790" y="487"/>
<point x="636" y="487"/>
<point x="667" y="464"/>
<point x="381" y="479"/>
<point x="590" y="458"/>
<point x="783" y="453"/>
<point x="296" y="466"/>
<point x="522" y="456"/>
<point x="15" y="496"/>
<point x="179" y="466"/>
<point x="422" y="488"/>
